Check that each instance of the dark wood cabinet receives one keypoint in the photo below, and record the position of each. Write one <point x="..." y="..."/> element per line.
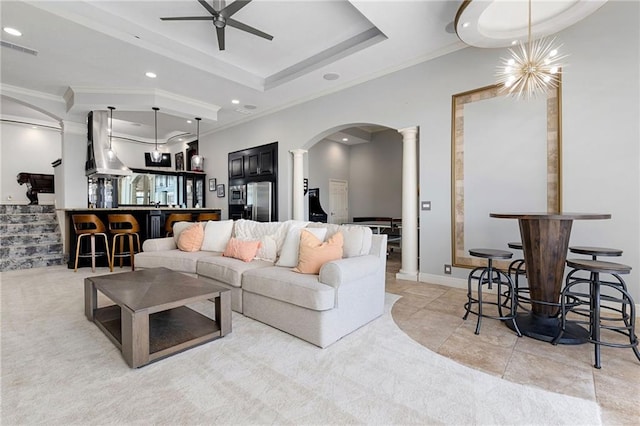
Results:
<point x="260" y="163"/>
<point x="236" y="166"/>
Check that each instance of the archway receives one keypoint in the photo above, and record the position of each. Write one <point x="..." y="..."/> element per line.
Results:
<point x="382" y="179"/>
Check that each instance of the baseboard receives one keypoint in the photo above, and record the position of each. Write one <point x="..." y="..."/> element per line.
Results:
<point x="442" y="280"/>
<point x="407" y="277"/>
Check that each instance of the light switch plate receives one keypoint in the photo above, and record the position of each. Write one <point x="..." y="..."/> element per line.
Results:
<point x="425" y="205"/>
<point x="447" y="269"/>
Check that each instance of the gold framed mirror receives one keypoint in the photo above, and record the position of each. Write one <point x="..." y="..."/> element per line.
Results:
<point x="505" y="157"/>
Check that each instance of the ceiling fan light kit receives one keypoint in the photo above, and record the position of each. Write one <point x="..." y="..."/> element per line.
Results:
<point x="221" y="18"/>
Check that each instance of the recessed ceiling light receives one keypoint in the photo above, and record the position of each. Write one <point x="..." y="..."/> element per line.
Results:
<point x="235" y="101"/>
<point x="331" y="76"/>
<point x="12" y="31"/>
<point x="189" y="122"/>
<point x="179" y="139"/>
<point x="465" y="25"/>
<point x="151" y="74"/>
<point x="345" y="139"/>
<point x="514" y="42"/>
<point x="34" y="127"/>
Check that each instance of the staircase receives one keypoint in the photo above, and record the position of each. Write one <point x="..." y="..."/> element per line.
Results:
<point x="29" y="237"/>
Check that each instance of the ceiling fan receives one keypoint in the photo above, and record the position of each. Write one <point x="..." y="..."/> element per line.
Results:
<point x="221" y="18"/>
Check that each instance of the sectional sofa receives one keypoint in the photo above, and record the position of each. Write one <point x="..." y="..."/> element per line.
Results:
<point x="320" y="308"/>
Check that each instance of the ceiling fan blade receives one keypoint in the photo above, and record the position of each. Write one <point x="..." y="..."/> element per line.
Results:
<point x="234" y="7"/>
<point x="244" y="27"/>
<point x="209" y="8"/>
<point x="189" y="18"/>
<point x="220" y="32"/>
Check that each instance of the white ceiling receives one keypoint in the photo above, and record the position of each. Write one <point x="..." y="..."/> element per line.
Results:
<point x="102" y="49"/>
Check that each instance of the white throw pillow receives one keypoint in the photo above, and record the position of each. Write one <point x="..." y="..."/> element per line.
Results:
<point x="291" y="247"/>
<point x="216" y="235"/>
<point x="268" y="249"/>
<point x="357" y="240"/>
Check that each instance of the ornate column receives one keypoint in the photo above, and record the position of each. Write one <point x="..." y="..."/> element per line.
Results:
<point x="409" y="268"/>
<point x="298" y="184"/>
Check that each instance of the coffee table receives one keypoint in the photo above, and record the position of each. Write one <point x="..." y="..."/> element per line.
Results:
<point x="149" y="319"/>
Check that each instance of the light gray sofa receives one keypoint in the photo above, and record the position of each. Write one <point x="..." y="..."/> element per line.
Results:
<point x="346" y="294"/>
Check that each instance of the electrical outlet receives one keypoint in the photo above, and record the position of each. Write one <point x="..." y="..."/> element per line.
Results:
<point x="447" y="269"/>
<point x="425" y="205"/>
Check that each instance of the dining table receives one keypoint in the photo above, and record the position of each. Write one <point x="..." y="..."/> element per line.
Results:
<point x="545" y="240"/>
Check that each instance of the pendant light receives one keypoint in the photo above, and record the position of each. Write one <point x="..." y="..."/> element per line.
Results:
<point x="197" y="160"/>
<point x="110" y="154"/>
<point x="156" y="155"/>
<point x="533" y="70"/>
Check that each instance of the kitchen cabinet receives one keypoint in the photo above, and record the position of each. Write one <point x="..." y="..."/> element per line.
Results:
<point x="260" y="162"/>
<point x="236" y="166"/>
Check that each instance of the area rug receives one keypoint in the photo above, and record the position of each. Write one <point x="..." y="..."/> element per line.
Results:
<point x="59" y="368"/>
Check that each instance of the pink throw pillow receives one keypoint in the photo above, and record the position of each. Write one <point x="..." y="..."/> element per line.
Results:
<point x="314" y="253"/>
<point x="243" y="250"/>
<point x="191" y="238"/>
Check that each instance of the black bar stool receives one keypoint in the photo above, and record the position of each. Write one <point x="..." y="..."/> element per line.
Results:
<point x="617" y="314"/>
<point x="90" y="225"/>
<point x="517" y="268"/>
<point x="121" y="227"/>
<point x="489" y="275"/>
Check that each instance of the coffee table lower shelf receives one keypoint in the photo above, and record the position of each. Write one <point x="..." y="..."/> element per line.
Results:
<point x="170" y="331"/>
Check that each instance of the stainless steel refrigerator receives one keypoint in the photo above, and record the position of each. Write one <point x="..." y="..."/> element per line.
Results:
<point x="258" y="205"/>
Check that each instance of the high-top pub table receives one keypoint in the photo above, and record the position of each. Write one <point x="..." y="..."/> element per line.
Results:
<point x="545" y="240"/>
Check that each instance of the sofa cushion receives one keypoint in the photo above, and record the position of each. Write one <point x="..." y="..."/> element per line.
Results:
<point x="227" y="269"/>
<point x="291" y="247"/>
<point x="314" y="253"/>
<point x="242" y="250"/>
<point x="177" y="260"/>
<point x="291" y="287"/>
<point x="357" y="239"/>
<point x="217" y="234"/>
<point x="191" y="238"/>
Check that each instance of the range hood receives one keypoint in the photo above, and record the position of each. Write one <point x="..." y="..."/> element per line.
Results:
<point x="99" y="163"/>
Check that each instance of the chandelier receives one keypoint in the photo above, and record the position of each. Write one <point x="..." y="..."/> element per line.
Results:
<point x="532" y="69"/>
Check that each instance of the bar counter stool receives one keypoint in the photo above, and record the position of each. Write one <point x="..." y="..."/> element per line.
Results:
<point x="517" y="268"/>
<point x="203" y="217"/>
<point x="489" y="275"/>
<point x="594" y="252"/>
<point x="175" y="217"/>
<point x="616" y="314"/>
<point x="123" y="226"/>
<point x="89" y="225"/>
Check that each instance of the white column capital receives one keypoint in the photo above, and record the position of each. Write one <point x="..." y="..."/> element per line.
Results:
<point x="409" y="131"/>
<point x="298" y="152"/>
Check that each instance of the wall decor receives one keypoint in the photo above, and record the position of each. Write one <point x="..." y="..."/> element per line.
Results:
<point x="505" y="157"/>
<point x="212" y="184"/>
<point x="179" y="161"/>
<point x="220" y="190"/>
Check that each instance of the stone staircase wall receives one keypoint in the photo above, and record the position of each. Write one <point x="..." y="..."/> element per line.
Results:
<point x="29" y="237"/>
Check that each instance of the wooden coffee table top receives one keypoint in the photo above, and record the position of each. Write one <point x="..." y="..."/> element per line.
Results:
<point x="154" y="289"/>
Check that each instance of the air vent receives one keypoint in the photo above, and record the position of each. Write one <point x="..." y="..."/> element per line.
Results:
<point x="243" y="111"/>
<point x="18" y="48"/>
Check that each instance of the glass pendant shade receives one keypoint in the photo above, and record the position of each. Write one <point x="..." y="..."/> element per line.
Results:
<point x="156" y="155"/>
<point x="197" y="160"/>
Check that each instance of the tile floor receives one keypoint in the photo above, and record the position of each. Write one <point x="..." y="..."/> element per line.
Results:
<point x="432" y="316"/>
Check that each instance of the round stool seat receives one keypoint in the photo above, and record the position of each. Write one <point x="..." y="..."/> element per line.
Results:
<point x="599" y="266"/>
<point x="486" y="253"/>
<point x="595" y="251"/>
<point x="515" y="245"/>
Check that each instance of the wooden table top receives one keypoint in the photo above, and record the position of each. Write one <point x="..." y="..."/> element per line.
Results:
<point x="551" y="216"/>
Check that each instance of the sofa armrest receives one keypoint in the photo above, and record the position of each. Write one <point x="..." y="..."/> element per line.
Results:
<point x="159" y="244"/>
<point x="338" y="272"/>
